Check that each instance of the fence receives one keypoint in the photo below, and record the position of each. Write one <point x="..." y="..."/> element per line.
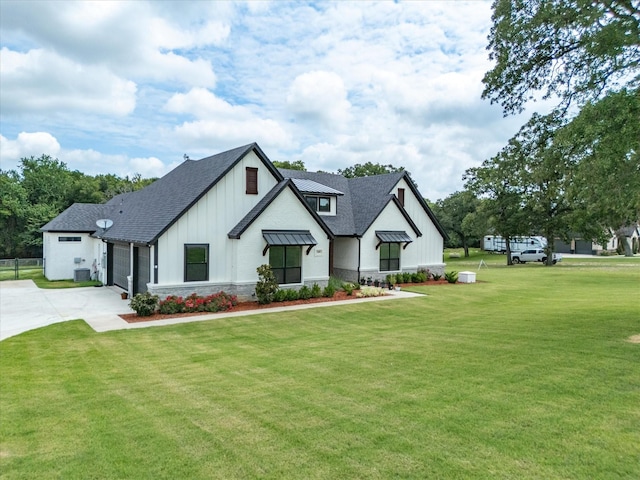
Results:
<point x="10" y="268"/>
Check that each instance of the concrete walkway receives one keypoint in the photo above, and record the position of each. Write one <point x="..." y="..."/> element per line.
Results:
<point x="24" y="307"/>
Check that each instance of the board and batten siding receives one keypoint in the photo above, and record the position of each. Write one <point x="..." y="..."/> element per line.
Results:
<point x="286" y="212"/>
<point x="390" y="219"/>
<point x="428" y="248"/>
<point x="209" y="221"/>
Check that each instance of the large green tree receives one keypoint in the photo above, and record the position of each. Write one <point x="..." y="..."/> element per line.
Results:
<point x="458" y="215"/>
<point x="585" y="56"/>
<point x="572" y="50"/>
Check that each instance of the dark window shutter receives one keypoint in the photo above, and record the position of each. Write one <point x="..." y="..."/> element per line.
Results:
<point x="401" y="196"/>
<point x="252" y="181"/>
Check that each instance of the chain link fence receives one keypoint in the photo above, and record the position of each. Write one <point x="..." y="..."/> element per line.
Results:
<point x="12" y="268"/>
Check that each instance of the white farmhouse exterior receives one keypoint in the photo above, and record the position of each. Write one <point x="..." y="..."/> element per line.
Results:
<point x="207" y="225"/>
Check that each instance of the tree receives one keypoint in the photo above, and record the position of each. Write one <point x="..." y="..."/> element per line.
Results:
<point x="13" y="205"/>
<point x="499" y="182"/>
<point x="457" y="215"/>
<point x="576" y="50"/>
<point x="606" y="163"/>
<point x="296" y="165"/>
<point x="368" y="169"/>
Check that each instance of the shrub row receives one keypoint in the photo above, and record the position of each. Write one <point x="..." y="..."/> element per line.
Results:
<point x="145" y="304"/>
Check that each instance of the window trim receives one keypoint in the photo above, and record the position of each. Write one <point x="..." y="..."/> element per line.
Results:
<point x="251" y="180"/>
<point x="187" y="246"/>
<point x="69" y="239"/>
<point x="316" y="200"/>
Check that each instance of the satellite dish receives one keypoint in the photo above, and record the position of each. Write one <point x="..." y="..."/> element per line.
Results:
<point x="104" y="223"/>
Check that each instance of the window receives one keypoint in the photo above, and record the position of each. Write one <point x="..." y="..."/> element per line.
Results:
<point x="285" y="261"/>
<point x="69" y="239"/>
<point x="196" y="263"/>
<point x="319" y="204"/>
<point x="401" y="196"/>
<point x="389" y="257"/>
<point x="252" y="181"/>
<point x="324" y="204"/>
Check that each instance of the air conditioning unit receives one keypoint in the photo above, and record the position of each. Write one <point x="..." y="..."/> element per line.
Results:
<point x="81" y="275"/>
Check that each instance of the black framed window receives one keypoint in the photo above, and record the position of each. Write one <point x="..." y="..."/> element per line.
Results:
<point x="319" y="204"/>
<point x="389" y="257"/>
<point x="69" y="239"/>
<point x="286" y="263"/>
<point x="196" y="262"/>
<point x="324" y="204"/>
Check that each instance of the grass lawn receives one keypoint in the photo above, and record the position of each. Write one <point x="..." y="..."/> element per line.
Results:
<point x="41" y="281"/>
<point x="526" y="374"/>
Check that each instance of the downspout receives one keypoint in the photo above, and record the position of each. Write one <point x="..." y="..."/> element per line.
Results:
<point x="359" y="255"/>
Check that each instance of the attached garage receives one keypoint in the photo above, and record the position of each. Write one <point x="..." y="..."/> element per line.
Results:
<point x="121" y="264"/>
<point x="142" y="264"/>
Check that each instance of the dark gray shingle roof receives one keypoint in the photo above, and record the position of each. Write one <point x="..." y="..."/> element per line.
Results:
<point x="364" y="199"/>
<point x="80" y="217"/>
<point x="148" y="213"/>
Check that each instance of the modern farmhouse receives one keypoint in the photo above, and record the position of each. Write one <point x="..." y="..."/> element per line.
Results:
<point x="208" y="224"/>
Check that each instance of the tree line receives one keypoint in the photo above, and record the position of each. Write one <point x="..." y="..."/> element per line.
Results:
<point x="39" y="190"/>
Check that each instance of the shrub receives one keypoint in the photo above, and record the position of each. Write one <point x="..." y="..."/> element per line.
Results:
<point x="292" y="294"/>
<point x="329" y="291"/>
<point x="391" y="279"/>
<point x="144" y="304"/>
<point x="304" y="293"/>
<point x="216" y="302"/>
<point x="451" y="277"/>
<point x="406" y="277"/>
<point x="267" y="285"/>
<point x="172" y="304"/>
<point x="436" y="276"/>
<point x="316" y="291"/>
<point x="421" y="277"/>
<point x="280" y="295"/>
<point x="348" y="288"/>
<point x="371" y="292"/>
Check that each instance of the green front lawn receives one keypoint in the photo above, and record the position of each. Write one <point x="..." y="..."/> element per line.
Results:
<point x="526" y="374"/>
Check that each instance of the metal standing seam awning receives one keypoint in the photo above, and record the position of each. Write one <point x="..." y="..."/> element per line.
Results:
<point x="288" y="237"/>
<point x="393" y="236"/>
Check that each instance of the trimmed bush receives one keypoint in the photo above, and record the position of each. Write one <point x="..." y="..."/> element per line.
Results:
<point x="316" y="291"/>
<point x="304" y="293"/>
<point x="280" y="295"/>
<point x="216" y="302"/>
<point x="292" y="294"/>
<point x="348" y="288"/>
<point x="144" y="304"/>
<point x="329" y="291"/>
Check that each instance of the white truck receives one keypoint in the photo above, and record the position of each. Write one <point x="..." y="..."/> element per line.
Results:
<point x="533" y="255"/>
<point x="497" y="244"/>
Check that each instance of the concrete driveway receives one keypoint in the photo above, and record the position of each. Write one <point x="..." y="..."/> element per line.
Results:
<point x="24" y="306"/>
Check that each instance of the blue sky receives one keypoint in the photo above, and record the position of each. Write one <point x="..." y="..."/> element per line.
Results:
<point x="130" y="87"/>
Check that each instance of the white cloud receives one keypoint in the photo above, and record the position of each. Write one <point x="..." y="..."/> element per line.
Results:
<point x="42" y="81"/>
<point x="319" y="96"/>
<point x="220" y="123"/>
<point x="25" y="145"/>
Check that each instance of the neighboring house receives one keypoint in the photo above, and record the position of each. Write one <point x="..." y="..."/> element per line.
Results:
<point x="579" y="245"/>
<point x="208" y="224"/>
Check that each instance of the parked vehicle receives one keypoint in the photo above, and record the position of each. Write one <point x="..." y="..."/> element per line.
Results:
<point x="533" y="255"/>
<point x="493" y="243"/>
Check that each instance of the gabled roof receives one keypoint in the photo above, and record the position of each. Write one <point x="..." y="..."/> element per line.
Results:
<point x="80" y="217"/>
<point x="363" y="201"/>
<point x="145" y="215"/>
<point x="262" y="205"/>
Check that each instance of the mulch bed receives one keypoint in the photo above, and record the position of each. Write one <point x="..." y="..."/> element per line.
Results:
<point x="247" y="306"/>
